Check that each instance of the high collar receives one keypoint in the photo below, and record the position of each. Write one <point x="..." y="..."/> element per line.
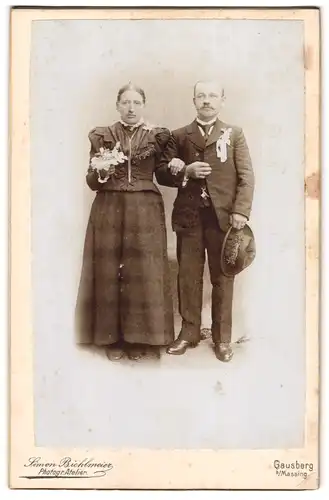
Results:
<point x="211" y="122"/>
<point x="132" y="127"/>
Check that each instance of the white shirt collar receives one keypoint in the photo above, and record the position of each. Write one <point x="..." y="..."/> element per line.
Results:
<point x="132" y="127"/>
<point x="200" y="122"/>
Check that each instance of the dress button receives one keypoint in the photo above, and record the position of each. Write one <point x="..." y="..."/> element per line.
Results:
<point x="197" y="154"/>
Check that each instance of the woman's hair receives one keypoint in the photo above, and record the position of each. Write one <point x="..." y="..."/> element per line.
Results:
<point x="131" y="86"/>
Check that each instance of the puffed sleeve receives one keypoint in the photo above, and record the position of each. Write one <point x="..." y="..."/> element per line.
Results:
<point x="95" y="139"/>
<point x="162" y="137"/>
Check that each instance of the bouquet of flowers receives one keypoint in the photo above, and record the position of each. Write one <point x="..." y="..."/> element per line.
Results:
<point x="107" y="158"/>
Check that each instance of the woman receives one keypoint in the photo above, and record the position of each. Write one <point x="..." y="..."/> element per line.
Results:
<point x="124" y="300"/>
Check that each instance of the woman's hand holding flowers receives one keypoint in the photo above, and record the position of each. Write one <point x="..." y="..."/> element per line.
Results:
<point x="104" y="167"/>
<point x="105" y="161"/>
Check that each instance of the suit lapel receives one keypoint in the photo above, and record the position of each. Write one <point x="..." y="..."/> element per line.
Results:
<point x="195" y="136"/>
<point x="215" y="133"/>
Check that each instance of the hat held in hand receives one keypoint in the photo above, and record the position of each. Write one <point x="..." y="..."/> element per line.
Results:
<point x="238" y="250"/>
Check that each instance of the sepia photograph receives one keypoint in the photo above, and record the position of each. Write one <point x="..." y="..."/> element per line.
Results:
<point x="165" y="200"/>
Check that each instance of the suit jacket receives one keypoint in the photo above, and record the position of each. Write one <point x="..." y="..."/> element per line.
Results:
<point x="230" y="185"/>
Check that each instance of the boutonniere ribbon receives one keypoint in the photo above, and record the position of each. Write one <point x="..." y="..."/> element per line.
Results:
<point x="222" y="142"/>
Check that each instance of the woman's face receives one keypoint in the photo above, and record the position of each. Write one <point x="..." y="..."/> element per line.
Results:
<point x="130" y="106"/>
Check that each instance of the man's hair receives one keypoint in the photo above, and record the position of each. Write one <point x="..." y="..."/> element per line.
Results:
<point x="207" y="81"/>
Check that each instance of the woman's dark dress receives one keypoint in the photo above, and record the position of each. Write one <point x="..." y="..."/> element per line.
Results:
<point x="125" y="290"/>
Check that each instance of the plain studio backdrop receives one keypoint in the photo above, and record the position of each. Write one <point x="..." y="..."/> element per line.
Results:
<point x="191" y="401"/>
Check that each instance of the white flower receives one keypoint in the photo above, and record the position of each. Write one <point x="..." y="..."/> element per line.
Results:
<point x="107" y="158"/>
<point x="225" y="137"/>
<point x="222" y="142"/>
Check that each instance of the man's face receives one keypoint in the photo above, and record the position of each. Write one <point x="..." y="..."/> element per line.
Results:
<point x="207" y="100"/>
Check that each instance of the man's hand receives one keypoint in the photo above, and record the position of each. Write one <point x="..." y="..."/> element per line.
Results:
<point x="198" y="170"/>
<point x="238" y="221"/>
<point x="176" y="165"/>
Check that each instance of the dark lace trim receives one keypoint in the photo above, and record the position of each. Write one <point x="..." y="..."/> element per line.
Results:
<point x="145" y="153"/>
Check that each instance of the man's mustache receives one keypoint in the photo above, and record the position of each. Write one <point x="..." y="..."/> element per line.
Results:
<point x="207" y="107"/>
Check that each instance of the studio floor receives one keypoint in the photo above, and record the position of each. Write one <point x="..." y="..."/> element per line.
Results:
<point x="189" y="401"/>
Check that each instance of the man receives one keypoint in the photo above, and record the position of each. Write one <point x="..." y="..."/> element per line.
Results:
<point x="210" y="164"/>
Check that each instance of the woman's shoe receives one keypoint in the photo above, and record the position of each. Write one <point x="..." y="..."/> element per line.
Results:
<point x="114" y="352"/>
<point x="134" y="351"/>
<point x="152" y="352"/>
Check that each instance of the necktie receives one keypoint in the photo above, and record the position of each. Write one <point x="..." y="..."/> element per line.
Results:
<point x="205" y="198"/>
<point x="206" y="129"/>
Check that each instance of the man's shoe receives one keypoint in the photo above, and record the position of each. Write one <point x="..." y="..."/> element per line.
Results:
<point x="114" y="352"/>
<point x="223" y="352"/>
<point x="179" y="346"/>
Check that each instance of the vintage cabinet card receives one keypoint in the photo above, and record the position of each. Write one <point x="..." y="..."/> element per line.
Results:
<point x="164" y="248"/>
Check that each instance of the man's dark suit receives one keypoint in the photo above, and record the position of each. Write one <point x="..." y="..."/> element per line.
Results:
<point x="230" y="186"/>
